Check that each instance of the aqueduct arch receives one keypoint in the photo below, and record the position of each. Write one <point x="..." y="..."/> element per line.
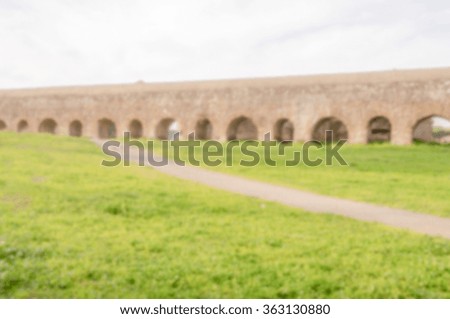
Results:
<point x="333" y="124"/>
<point x="284" y="130"/>
<point x="245" y="108"/>
<point x="48" y="126"/>
<point x="166" y="129"/>
<point x="75" y="128"/>
<point x="106" y="129"/>
<point x="203" y="129"/>
<point x="2" y="125"/>
<point x="242" y="128"/>
<point x="135" y="129"/>
<point x="432" y="129"/>
<point x="22" y="126"/>
<point x="379" y="130"/>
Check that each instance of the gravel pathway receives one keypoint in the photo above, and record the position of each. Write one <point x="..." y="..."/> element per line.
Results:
<point x="420" y="223"/>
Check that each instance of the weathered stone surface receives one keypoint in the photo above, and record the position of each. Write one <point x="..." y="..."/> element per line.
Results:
<point x="402" y="97"/>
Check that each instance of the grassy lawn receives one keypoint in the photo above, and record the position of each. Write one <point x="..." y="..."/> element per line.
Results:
<point x="72" y="228"/>
<point x="414" y="177"/>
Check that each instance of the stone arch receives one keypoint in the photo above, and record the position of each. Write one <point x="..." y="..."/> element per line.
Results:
<point x="203" y="129"/>
<point x="379" y="130"/>
<point x="330" y="124"/>
<point x="242" y="128"/>
<point x="75" y="128"/>
<point x="284" y="130"/>
<point x="2" y="125"/>
<point x="432" y="129"/>
<point x="22" y="126"/>
<point x="106" y="129"/>
<point x="166" y="129"/>
<point x="135" y="129"/>
<point x="48" y="126"/>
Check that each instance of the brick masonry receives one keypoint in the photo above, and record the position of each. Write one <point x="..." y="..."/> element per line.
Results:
<point x="402" y="97"/>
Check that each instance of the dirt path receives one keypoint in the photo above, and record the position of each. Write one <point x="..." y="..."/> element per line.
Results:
<point x="420" y="223"/>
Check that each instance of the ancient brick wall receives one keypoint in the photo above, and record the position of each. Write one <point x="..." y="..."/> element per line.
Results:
<point x="401" y="97"/>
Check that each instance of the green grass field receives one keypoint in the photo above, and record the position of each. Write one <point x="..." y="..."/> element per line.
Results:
<point x="414" y="177"/>
<point x="72" y="228"/>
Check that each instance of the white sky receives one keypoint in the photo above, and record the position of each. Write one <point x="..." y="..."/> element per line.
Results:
<point x="65" y="42"/>
<point x="441" y="122"/>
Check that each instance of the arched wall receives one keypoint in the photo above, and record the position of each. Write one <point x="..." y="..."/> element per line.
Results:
<point x="3" y="125"/>
<point x="242" y="128"/>
<point x="48" y="125"/>
<point x="107" y="128"/>
<point x="76" y="128"/>
<point x="379" y="130"/>
<point x="136" y="128"/>
<point x="204" y="129"/>
<point x="22" y="126"/>
<point x="403" y="97"/>
<point x="283" y="130"/>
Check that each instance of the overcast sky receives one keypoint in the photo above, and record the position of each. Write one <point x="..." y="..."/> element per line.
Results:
<point x="66" y="42"/>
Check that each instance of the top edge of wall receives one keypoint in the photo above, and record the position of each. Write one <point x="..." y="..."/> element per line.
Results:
<point x="304" y="80"/>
